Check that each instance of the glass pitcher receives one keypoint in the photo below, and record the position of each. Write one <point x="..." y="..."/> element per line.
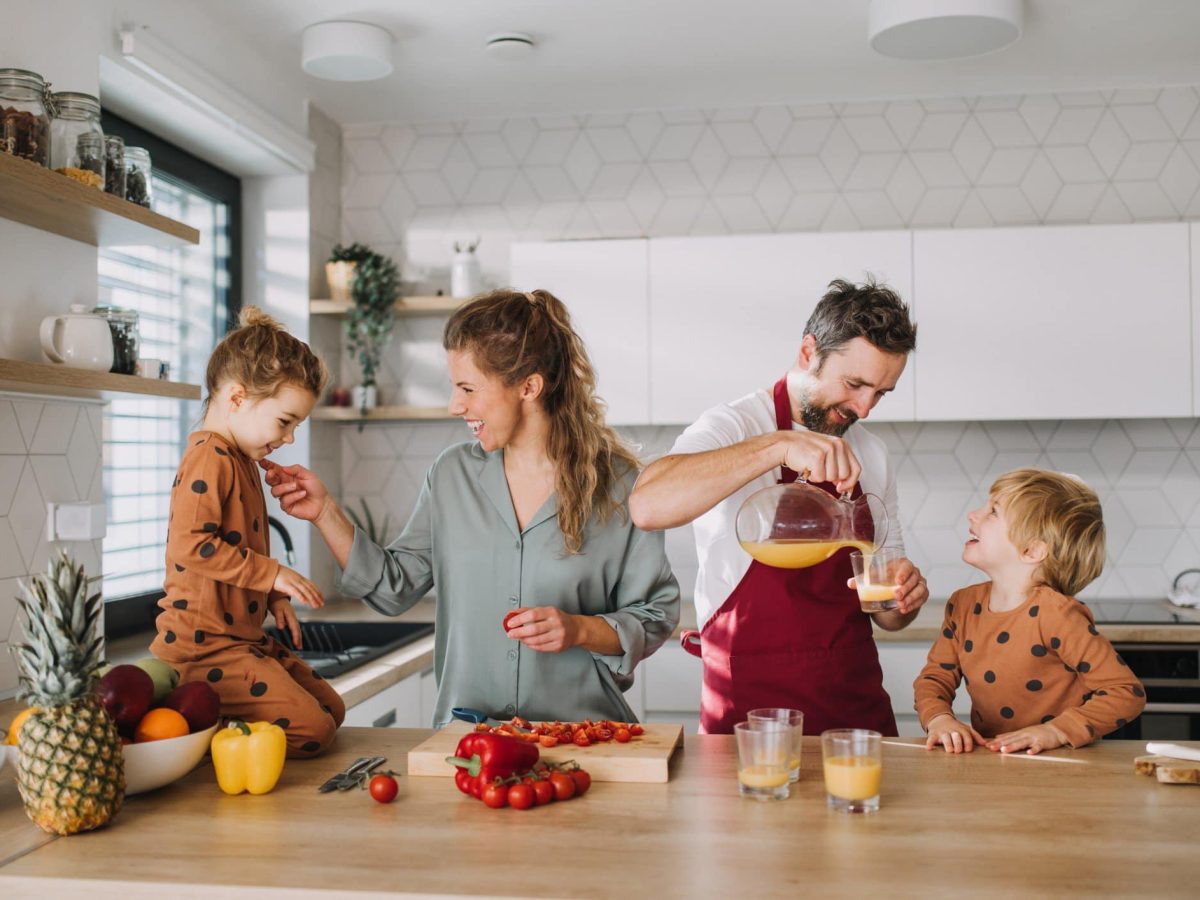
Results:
<point x="793" y="526"/>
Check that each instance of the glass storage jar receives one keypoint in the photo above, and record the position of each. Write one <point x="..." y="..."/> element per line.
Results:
<point x="137" y="176"/>
<point x="114" y="163"/>
<point x="123" y="323"/>
<point x="24" y="116"/>
<point x="88" y="158"/>
<point x="75" y="115"/>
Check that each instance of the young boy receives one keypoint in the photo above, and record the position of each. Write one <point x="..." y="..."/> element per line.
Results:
<point x="1039" y="674"/>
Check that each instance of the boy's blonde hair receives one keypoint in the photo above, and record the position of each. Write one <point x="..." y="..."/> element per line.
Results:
<point x="262" y="357"/>
<point x="1062" y="512"/>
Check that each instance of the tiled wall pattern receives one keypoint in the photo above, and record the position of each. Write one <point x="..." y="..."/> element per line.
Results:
<point x="1145" y="471"/>
<point x="50" y="451"/>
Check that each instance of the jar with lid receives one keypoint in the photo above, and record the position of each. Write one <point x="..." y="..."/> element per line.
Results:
<point x="74" y="115"/>
<point x="24" y="116"/>
<point x="123" y="323"/>
<point x="88" y="159"/>
<point x="137" y="176"/>
<point x="114" y="165"/>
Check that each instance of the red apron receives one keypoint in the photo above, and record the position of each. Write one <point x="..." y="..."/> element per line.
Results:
<point x="793" y="638"/>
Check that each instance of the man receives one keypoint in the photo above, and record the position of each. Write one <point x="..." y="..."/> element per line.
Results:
<point x="792" y="637"/>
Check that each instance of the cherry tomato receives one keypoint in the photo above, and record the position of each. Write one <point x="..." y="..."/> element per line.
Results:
<point x="462" y="781"/>
<point x="384" y="788"/>
<point x="563" y="784"/>
<point x="495" y="795"/>
<point x="543" y="792"/>
<point x="635" y="730"/>
<point x="548" y="740"/>
<point x="583" y="781"/>
<point x="521" y="796"/>
<point x="622" y="736"/>
<point x="582" y="739"/>
<point x="508" y="615"/>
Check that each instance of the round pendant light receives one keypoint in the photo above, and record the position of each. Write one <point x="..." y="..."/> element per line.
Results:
<point x="346" y="51"/>
<point x="943" y="29"/>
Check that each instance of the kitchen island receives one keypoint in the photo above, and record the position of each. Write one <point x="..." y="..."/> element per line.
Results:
<point x="949" y="825"/>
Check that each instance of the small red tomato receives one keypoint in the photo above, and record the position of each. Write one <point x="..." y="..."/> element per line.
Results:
<point x="543" y="792"/>
<point x="563" y="784"/>
<point x="495" y="795"/>
<point x="582" y="739"/>
<point x="635" y="730"/>
<point x="508" y="615"/>
<point x="622" y="736"/>
<point x="548" y="740"/>
<point x="521" y="796"/>
<point x="583" y="781"/>
<point x="384" y="788"/>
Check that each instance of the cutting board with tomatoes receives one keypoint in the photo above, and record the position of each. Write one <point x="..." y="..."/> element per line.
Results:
<point x="645" y="758"/>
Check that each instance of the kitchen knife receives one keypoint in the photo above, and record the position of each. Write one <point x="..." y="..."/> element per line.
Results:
<point x="1175" y="751"/>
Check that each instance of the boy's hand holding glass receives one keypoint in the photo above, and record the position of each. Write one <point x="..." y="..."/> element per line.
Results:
<point x="955" y="736"/>
<point x="285" y="618"/>
<point x="1032" y="740"/>
<point x="292" y="584"/>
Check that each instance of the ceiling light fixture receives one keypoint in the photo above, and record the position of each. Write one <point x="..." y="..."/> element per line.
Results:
<point x="512" y="45"/>
<point x="943" y="29"/>
<point x="346" y="51"/>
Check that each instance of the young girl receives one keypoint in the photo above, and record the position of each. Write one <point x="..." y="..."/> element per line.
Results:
<point x="221" y="580"/>
<point x="1039" y="674"/>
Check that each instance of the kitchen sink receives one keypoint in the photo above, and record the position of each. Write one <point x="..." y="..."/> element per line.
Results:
<point x="334" y="648"/>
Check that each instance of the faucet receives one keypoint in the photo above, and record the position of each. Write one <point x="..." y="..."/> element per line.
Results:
<point x="289" y="553"/>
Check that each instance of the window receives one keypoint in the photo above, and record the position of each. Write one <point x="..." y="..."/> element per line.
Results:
<point x="184" y="298"/>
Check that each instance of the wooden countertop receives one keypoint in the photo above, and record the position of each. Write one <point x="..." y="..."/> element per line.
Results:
<point x="950" y="825"/>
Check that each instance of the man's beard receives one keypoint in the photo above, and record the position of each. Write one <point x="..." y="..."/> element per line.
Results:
<point x="818" y="418"/>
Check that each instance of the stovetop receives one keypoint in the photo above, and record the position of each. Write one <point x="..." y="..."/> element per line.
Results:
<point x="1142" y="612"/>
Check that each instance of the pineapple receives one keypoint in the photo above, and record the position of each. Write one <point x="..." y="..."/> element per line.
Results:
<point x="70" y="765"/>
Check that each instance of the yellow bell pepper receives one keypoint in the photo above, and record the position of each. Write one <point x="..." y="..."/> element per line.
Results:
<point x="248" y="757"/>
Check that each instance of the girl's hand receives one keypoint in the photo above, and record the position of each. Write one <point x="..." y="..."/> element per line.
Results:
<point x="546" y="629"/>
<point x="301" y="493"/>
<point x="291" y="583"/>
<point x="952" y="734"/>
<point x="1032" y="740"/>
<point x="285" y="619"/>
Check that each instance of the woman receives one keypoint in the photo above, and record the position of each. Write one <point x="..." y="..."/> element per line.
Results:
<point x="529" y="518"/>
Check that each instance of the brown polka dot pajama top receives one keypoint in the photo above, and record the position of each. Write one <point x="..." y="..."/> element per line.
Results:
<point x="219" y="582"/>
<point x="1041" y="662"/>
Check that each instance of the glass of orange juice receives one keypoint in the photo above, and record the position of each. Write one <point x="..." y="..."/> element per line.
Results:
<point x="793" y="719"/>
<point x="764" y="750"/>
<point x="875" y="577"/>
<point x="853" y="761"/>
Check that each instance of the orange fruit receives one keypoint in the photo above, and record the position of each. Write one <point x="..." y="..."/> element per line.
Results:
<point x="14" y="727"/>
<point x="160" y="724"/>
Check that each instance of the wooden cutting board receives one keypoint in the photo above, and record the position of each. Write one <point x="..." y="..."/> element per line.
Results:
<point x="645" y="758"/>
<point x="1169" y="770"/>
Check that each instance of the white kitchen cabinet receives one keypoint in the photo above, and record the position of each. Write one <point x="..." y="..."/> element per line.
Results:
<point x="671" y="680"/>
<point x="603" y="284"/>
<point x="1194" y="232"/>
<point x="727" y="313"/>
<point x="1053" y="322"/>
<point x="902" y="663"/>
<point x="396" y="706"/>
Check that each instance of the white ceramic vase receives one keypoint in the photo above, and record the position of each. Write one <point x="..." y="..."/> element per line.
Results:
<point x="366" y="396"/>
<point x="466" y="276"/>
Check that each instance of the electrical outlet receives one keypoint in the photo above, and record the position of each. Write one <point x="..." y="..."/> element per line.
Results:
<point x="75" y="521"/>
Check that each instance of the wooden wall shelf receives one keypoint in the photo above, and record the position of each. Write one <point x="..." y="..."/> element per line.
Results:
<point x="381" y="414"/>
<point x="65" y="381"/>
<point x="405" y="306"/>
<point x="36" y="196"/>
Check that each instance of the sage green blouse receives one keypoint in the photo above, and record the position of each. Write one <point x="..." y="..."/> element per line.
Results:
<point x="463" y="540"/>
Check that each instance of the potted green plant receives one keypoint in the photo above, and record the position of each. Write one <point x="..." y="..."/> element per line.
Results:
<point x="339" y="270"/>
<point x="369" y="322"/>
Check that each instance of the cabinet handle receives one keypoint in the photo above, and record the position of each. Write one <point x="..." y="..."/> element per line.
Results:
<point x="386" y="720"/>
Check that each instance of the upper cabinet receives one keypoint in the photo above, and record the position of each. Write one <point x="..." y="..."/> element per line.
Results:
<point x="603" y="284"/>
<point x="1053" y="322"/>
<point x="727" y="314"/>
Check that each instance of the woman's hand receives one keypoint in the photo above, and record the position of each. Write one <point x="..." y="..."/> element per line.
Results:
<point x="952" y="734"/>
<point x="285" y="619"/>
<point x="301" y="494"/>
<point x="1032" y="740"/>
<point x="291" y="583"/>
<point x="546" y="629"/>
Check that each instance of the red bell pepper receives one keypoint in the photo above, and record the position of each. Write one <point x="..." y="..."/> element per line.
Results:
<point x="486" y="757"/>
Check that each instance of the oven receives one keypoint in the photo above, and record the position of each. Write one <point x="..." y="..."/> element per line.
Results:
<point x="1171" y="676"/>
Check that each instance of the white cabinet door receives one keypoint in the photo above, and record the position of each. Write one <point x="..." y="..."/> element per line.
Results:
<point x="396" y="706"/>
<point x="727" y="314"/>
<point x="672" y="679"/>
<point x="1053" y="322"/>
<point x="902" y="662"/>
<point x="603" y="284"/>
<point x="1194" y="230"/>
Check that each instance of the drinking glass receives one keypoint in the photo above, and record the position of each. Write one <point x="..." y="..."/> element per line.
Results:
<point x="875" y="578"/>
<point x="853" y="761"/>
<point x="764" y="749"/>
<point x="793" y="719"/>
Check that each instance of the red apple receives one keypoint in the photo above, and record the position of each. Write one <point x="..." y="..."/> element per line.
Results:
<point x="126" y="693"/>
<point x="196" y="702"/>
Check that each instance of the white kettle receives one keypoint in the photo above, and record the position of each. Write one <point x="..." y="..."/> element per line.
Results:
<point x="78" y="339"/>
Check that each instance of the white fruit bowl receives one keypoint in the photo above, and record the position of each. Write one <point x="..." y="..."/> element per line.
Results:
<point x="153" y="764"/>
